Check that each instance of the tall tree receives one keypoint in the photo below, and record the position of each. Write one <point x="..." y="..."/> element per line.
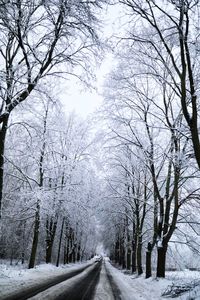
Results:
<point x="165" y="37"/>
<point x="143" y="109"/>
<point x="36" y="38"/>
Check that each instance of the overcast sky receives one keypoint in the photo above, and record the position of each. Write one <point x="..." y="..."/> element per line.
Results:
<point x="81" y="100"/>
<point x="78" y="99"/>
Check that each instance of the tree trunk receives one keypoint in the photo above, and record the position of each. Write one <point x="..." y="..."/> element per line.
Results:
<point x="66" y="251"/>
<point x="71" y="245"/>
<point x="128" y="250"/>
<point x="2" y="148"/>
<point x="123" y="258"/>
<point x="66" y="244"/>
<point x="134" y="242"/>
<point x="11" y="257"/>
<point x="139" y="256"/>
<point x="74" y="256"/>
<point x="117" y="251"/>
<point x="128" y="259"/>
<point x="70" y="257"/>
<point x="161" y="260"/>
<point x="122" y="254"/>
<point x="23" y="243"/>
<point x="79" y="252"/>
<point x="49" y="247"/>
<point x="148" y="260"/>
<point x="60" y="242"/>
<point x="51" y="231"/>
<point x="35" y="237"/>
<point x="133" y="258"/>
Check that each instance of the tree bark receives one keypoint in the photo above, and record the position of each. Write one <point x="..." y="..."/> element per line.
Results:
<point x="49" y="247"/>
<point x="60" y="242"/>
<point x="51" y="231"/>
<point x="79" y="252"/>
<point x="148" y="260"/>
<point x="71" y="245"/>
<point x="67" y="252"/>
<point x="23" y="243"/>
<point x="3" y="132"/>
<point x="117" y="251"/>
<point x="133" y="261"/>
<point x="66" y="245"/>
<point x="139" y="256"/>
<point x="122" y="254"/>
<point x="35" y="237"/>
<point x="161" y="261"/>
<point x="128" y="259"/>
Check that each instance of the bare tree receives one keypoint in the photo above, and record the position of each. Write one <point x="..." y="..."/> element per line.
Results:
<point x="144" y="112"/>
<point x="169" y="41"/>
<point x="37" y="37"/>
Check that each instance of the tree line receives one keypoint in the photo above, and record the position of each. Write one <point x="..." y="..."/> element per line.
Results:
<point x="149" y="196"/>
<point x="151" y="109"/>
<point x="49" y="189"/>
<point x="43" y="164"/>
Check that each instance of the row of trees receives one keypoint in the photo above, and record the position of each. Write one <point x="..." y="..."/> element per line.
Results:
<point x="152" y="112"/>
<point x="39" y="39"/>
<point x="45" y="175"/>
<point x="49" y="192"/>
<point x="152" y="155"/>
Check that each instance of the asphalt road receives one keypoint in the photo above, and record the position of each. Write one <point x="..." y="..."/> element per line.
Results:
<point x="32" y="291"/>
<point x="81" y="284"/>
<point x="116" y="293"/>
<point x="107" y="288"/>
<point x="85" y="289"/>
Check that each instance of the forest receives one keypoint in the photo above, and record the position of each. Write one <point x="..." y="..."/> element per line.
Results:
<point x="125" y="178"/>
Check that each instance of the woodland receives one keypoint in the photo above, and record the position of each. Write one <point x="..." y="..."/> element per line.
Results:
<point x="126" y="177"/>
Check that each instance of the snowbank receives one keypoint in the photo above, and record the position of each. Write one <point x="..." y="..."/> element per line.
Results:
<point x="134" y="287"/>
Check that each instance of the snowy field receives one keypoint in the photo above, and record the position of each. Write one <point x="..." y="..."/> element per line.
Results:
<point x="14" y="278"/>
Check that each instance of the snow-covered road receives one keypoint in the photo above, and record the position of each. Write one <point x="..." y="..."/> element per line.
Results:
<point x="81" y="286"/>
<point x="23" y="284"/>
<point x="90" y="281"/>
<point x="104" y="289"/>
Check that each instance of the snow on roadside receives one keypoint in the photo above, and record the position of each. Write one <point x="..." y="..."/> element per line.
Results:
<point x="123" y="282"/>
<point x="16" y="277"/>
<point x="138" y="288"/>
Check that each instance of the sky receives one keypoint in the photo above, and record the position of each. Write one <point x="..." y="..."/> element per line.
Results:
<point x="82" y="101"/>
<point x="77" y="98"/>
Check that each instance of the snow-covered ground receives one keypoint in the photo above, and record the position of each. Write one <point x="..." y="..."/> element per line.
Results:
<point x="17" y="277"/>
<point x="131" y="287"/>
<point x="134" y="287"/>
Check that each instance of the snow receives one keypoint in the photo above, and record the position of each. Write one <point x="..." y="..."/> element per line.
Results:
<point x="159" y="244"/>
<point x="135" y="287"/>
<point x="131" y="287"/>
<point x="103" y="290"/>
<point x="17" y="277"/>
<point x="61" y="288"/>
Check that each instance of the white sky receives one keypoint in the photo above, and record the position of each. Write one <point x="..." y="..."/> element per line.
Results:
<point x="84" y="102"/>
<point x="76" y="97"/>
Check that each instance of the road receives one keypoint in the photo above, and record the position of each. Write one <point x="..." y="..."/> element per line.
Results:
<point x="107" y="288"/>
<point x="88" y="283"/>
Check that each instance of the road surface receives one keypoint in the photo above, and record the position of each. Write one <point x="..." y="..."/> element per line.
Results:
<point x="87" y="283"/>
